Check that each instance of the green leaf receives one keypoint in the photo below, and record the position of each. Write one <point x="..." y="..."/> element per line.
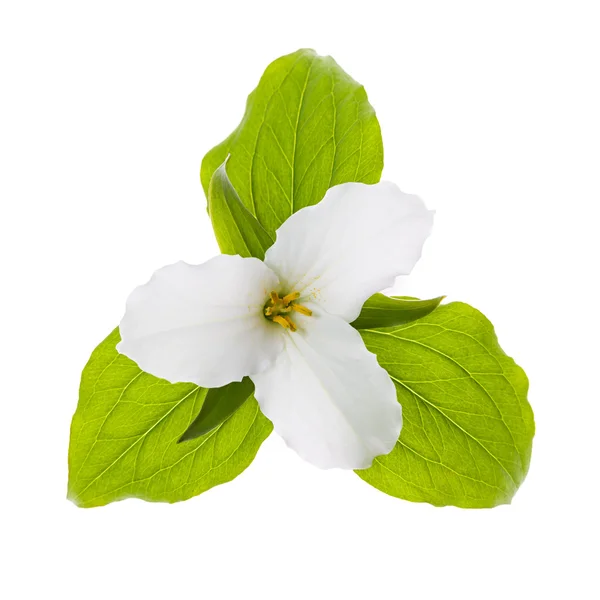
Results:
<point x="307" y="126"/>
<point x="219" y="405"/>
<point x="386" y="311"/>
<point x="236" y="229"/>
<point x="468" y="428"/>
<point x="125" y="430"/>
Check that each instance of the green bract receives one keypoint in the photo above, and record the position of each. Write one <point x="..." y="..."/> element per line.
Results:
<point x="219" y="404"/>
<point x="468" y="428"/>
<point x="307" y="126"/>
<point x="125" y="431"/>
<point x="383" y="311"/>
<point x="236" y="229"/>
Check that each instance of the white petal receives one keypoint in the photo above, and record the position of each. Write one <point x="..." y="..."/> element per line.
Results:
<point x="327" y="396"/>
<point x="349" y="246"/>
<point x="203" y="323"/>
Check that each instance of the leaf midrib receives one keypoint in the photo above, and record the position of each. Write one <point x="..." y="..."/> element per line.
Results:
<point x="295" y="145"/>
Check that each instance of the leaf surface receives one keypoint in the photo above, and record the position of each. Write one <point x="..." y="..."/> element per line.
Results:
<point x="307" y="127"/>
<point x="125" y="430"/>
<point x="468" y="428"/>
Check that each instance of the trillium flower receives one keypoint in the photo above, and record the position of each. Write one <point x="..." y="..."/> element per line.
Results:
<point x="285" y="322"/>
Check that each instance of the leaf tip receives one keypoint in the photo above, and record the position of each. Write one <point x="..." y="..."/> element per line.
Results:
<point x="185" y="437"/>
<point x="74" y="498"/>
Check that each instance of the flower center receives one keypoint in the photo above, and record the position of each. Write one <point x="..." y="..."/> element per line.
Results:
<point x="278" y="309"/>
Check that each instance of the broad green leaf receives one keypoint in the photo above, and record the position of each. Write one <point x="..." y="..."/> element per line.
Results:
<point x="307" y="126"/>
<point x="219" y="405"/>
<point x="468" y="428"/>
<point x="236" y="229"/>
<point x="386" y="311"/>
<point x="125" y="430"/>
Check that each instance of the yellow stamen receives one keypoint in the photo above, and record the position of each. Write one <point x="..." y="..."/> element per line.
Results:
<point x="284" y="322"/>
<point x="291" y="323"/>
<point x="277" y="309"/>
<point x="302" y="309"/>
<point x="290" y="298"/>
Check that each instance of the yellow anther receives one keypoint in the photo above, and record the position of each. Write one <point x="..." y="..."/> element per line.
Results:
<point x="277" y="309"/>
<point x="283" y="321"/>
<point x="302" y="309"/>
<point x="290" y="323"/>
<point x="290" y="298"/>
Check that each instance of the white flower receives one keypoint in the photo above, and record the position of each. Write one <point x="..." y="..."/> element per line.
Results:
<point x="284" y="322"/>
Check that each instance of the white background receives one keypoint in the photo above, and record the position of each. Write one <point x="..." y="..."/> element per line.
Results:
<point x="490" y="112"/>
